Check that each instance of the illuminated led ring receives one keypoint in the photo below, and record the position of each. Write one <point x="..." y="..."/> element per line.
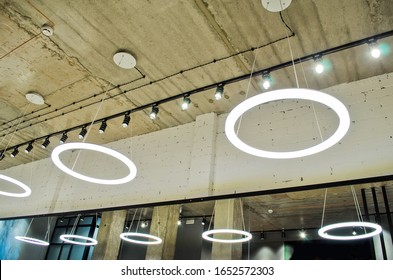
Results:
<point x="68" y="238"/>
<point x="125" y="235"/>
<point x="86" y="146"/>
<point x="247" y="235"/>
<point x="323" y="231"/>
<point x="32" y="240"/>
<point x="306" y="94"/>
<point x="16" y="182"/>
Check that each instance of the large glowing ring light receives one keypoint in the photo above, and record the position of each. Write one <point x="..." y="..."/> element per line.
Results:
<point x="155" y="239"/>
<point x="69" y="238"/>
<point x="295" y="93"/>
<point x="32" y="240"/>
<point x="247" y="235"/>
<point x="87" y="146"/>
<point x="323" y="231"/>
<point x="16" y="182"/>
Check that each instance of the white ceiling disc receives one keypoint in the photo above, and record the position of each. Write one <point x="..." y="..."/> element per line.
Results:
<point x="124" y="60"/>
<point x="35" y="98"/>
<point x="276" y="6"/>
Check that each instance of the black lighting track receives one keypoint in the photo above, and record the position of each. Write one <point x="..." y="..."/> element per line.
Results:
<point x="312" y="56"/>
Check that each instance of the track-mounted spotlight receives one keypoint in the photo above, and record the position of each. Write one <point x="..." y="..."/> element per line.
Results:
<point x="219" y="92"/>
<point x="45" y="143"/>
<point x="186" y="103"/>
<point x="2" y="155"/>
<point x="63" y="138"/>
<point x="262" y="236"/>
<point x="102" y="127"/>
<point x="83" y="133"/>
<point x="302" y="234"/>
<point x="154" y="112"/>
<point x="319" y="68"/>
<point x="374" y="49"/>
<point x="144" y="224"/>
<point x="203" y="221"/>
<point x="29" y="148"/>
<point x="14" y="152"/>
<point x="126" y="120"/>
<point x="283" y="233"/>
<point x="266" y="80"/>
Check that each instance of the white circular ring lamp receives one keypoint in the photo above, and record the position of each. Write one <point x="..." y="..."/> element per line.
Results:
<point x="71" y="238"/>
<point x="87" y="146"/>
<point x="246" y="235"/>
<point x="32" y="240"/>
<point x="293" y="93"/>
<point x="151" y="239"/>
<point x="27" y="190"/>
<point x="323" y="232"/>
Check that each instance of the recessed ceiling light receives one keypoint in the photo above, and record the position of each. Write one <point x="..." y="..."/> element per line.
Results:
<point x="35" y="98"/>
<point x="124" y="60"/>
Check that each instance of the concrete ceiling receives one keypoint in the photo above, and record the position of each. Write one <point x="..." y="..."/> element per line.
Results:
<point x="179" y="46"/>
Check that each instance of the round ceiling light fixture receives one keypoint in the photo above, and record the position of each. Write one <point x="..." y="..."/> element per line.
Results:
<point x="246" y="236"/>
<point x="35" y="98"/>
<point x="70" y="238"/>
<point x="124" y="60"/>
<point x="276" y="6"/>
<point x="19" y="184"/>
<point x="32" y="240"/>
<point x="295" y="93"/>
<point x="151" y="239"/>
<point x="323" y="232"/>
<point x="87" y="146"/>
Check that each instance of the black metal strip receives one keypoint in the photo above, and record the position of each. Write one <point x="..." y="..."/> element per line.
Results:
<point x="378" y="218"/>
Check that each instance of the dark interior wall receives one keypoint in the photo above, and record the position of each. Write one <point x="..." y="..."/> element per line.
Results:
<point x="189" y="240"/>
<point x="133" y="251"/>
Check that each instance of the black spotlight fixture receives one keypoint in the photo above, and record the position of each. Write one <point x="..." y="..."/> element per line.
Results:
<point x="63" y="138"/>
<point x="154" y="112"/>
<point x="283" y="233"/>
<point x="219" y="92"/>
<point x="46" y="143"/>
<point x="203" y="221"/>
<point x="102" y="127"/>
<point x="14" y="152"/>
<point x="186" y="103"/>
<point x="83" y="132"/>
<point x="29" y="148"/>
<point x="2" y="155"/>
<point x="262" y="235"/>
<point x="126" y="120"/>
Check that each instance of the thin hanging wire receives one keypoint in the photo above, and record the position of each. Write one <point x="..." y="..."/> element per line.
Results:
<point x="91" y="124"/>
<point x="241" y="213"/>
<point x="228" y="213"/>
<point x="32" y="219"/>
<point x="72" y="232"/>
<point x="47" y="234"/>
<point x="305" y="78"/>
<point x="312" y="103"/>
<point x="158" y="222"/>
<point x="16" y="128"/>
<point x="132" y="221"/>
<point x="324" y="207"/>
<point x="139" y="220"/>
<point x="357" y="206"/>
<point x="213" y="213"/>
